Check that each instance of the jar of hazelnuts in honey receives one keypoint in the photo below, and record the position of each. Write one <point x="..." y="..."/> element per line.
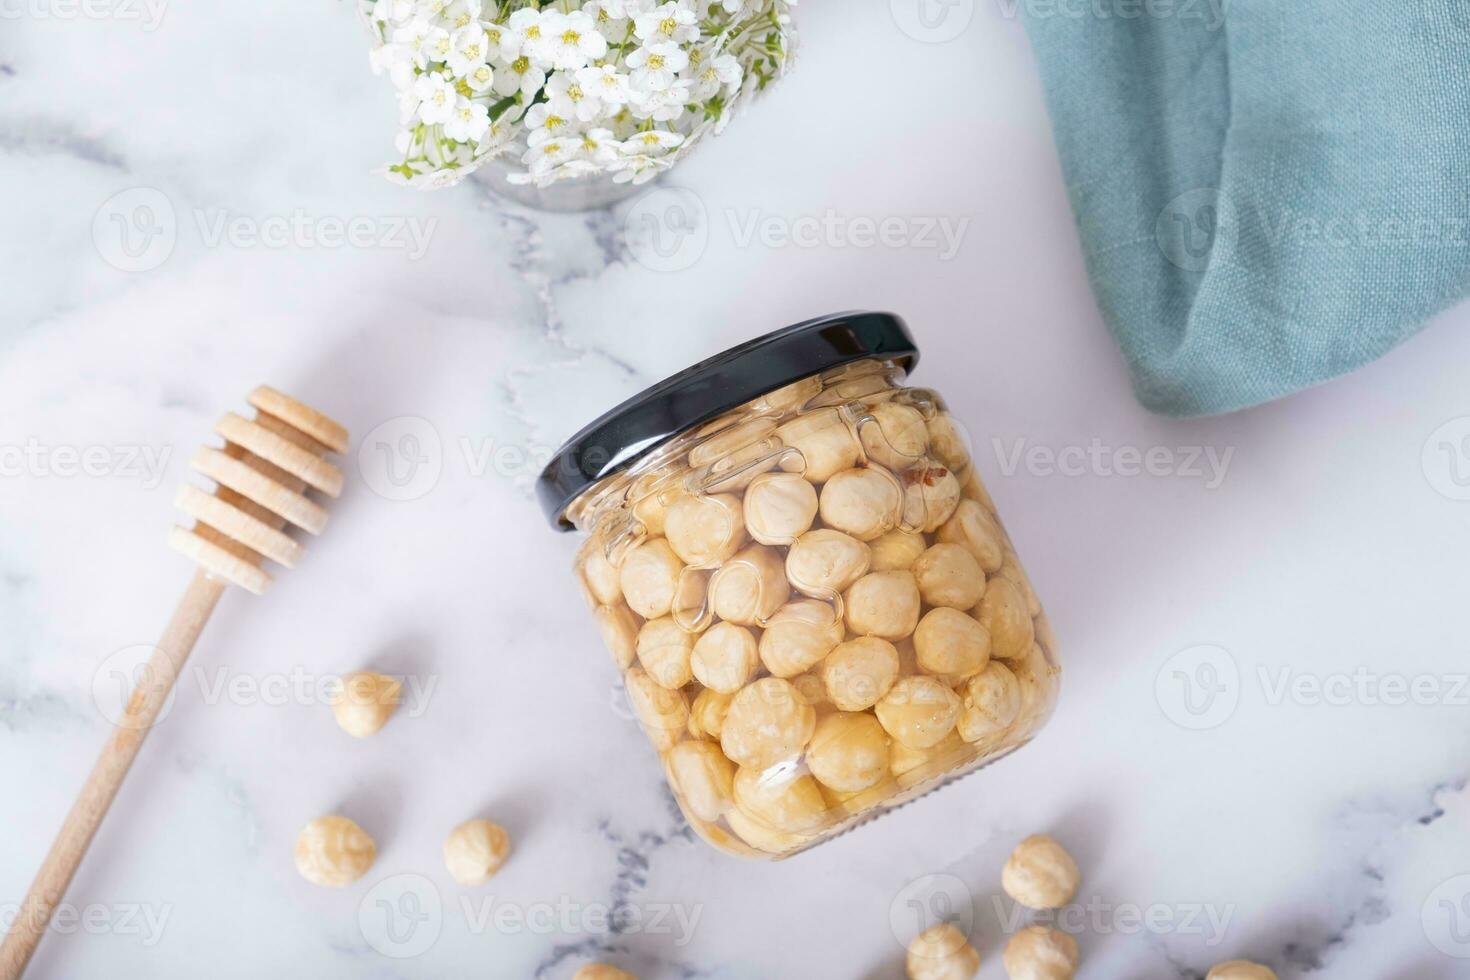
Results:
<point x="816" y="611"/>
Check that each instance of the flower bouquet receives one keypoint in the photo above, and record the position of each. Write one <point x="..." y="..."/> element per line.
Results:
<point x="617" y="90"/>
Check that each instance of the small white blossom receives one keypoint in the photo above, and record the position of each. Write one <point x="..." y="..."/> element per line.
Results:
<point x="606" y="83"/>
<point x="523" y="33"/>
<point x="480" y="78"/>
<point x="436" y="97"/>
<point x="521" y="75"/>
<point x="672" y="23"/>
<point x="419" y="37"/>
<point x="656" y="66"/>
<point x="723" y="73"/>
<point x="467" y="121"/>
<point x="662" y="105"/>
<point x="469" y="47"/>
<point x="570" y="41"/>
<point x="545" y="124"/>
<point x="567" y="97"/>
<point x="393" y="11"/>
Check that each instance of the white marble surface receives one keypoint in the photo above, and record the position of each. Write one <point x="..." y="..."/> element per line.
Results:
<point x="1325" y="838"/>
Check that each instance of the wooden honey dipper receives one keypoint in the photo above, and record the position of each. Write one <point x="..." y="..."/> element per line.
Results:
<point x="262" y="475"/>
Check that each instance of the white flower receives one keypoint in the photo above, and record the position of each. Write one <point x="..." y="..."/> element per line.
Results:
<point x="521" y="75"/>
<point x="663" y="105"/>
<point x="467" y="122"/>
<point x="480" y="78"/>
<point x="430" y="9"/>
<point x="670" y="23"/>
<point x="651" y="143"/>
<point x="723" y="72"/>
<point x="548" y="154"/>
<point x="656" y="66"/>
<point x="436" y="97"/>
<point x="420" y="38"/>
<point x="462" y="13"/>
<point x="396" y="60"/>
<point x="505" y="44"/>
<point x="569" y="98"/>
<point x="612" y="26"/>
<point x="523" y="35"/>
<point x="604" y="82"/>
<point x="545" y="124"/>
<point x="393" y="11"/>
<point x="468" y="48"/>
<point x="597" y="146"/>
<point x="570" y="41"/>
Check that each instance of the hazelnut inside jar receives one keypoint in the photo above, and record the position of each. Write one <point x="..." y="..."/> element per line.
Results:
<point x="814" y="605"/>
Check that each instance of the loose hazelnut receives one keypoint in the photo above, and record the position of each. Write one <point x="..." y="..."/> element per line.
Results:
<point x="750" y="587"/>
<point x="649" y="576"/>
<point x="779" y="508"/>
<point x="365" y="702"/>
<point x="619" y="628"/>
<point x="703" y="777"/>
<point x="948" y="575"/>
<point x="725" y="658"/>
<point x="707" y="714"/>
<point x="1040" y="953"/>
<point x="824" y="563"/>
<point x="896" y="551"/>
<point x="768" y="722"/>
<point x="1040" y="874"/>
<point x="848" y="752"/>
<point x="705" y="529"/>
<point x="859" y="672"/>
<point x="919" y="711"/>
<point x="973" y="527"/>
<point x="662" y="712"/>
<point x="951" y="643"/>
<point x="1240" y="970"/>
<point x="799" y="636"/>
<point x="1003" y="611"/>
<point x="824" y="444"/>
<point x="949" y="442"/>
<point x="602" y="971"/>
<point x="942" y="953"/>
<point x="664" y="650"/>
<point x="781" y="799"/>
<point x="864" y="502"/>
<point x="883" y="604"/>
<point x="991" y="702"/>
<point x="895" y="435"/>
<point x="334" y="852"/>
<point x="475" y="850"/>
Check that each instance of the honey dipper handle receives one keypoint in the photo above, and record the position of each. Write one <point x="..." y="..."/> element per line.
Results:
<point x="149" y="696"/>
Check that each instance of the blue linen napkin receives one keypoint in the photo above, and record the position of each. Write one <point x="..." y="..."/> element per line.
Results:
<point x="1269" y="193"/>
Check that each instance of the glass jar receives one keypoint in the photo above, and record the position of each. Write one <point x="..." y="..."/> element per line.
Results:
<point x="816" y="611"/>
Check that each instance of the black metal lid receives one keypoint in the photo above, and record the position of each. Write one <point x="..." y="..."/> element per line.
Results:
<point x="710" y="388"/>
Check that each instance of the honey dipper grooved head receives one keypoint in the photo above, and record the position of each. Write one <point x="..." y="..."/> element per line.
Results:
<point x="262" y="476"/>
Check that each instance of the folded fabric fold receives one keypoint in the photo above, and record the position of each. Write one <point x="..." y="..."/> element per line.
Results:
<point x="1268" y="193"/>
